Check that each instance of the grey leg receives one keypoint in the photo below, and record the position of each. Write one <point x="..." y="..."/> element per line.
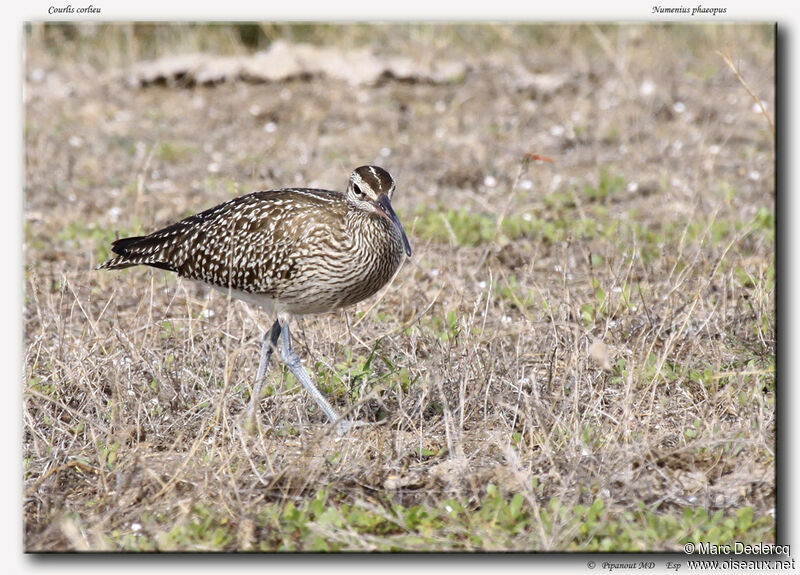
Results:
<point x="292" y="361"/>
<point x="270" y="343"/>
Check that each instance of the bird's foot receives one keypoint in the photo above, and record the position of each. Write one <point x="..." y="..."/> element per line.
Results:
<point x="248" y="423"/>
<point x="344" y="426"/>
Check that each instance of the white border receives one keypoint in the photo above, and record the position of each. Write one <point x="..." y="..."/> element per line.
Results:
<point x="348" y="10"/>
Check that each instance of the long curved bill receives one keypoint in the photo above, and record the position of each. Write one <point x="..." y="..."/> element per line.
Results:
<point x="386" y="206"/>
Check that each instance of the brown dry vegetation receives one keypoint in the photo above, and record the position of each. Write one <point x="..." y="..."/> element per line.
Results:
<point x="598" y="328"/>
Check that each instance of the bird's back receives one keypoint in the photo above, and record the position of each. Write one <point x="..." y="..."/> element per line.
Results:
<point x="249" y="243"/>
<point x="291" y="246"/>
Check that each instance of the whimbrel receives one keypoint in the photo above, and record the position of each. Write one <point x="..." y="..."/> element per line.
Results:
<point x="293" y="251"/>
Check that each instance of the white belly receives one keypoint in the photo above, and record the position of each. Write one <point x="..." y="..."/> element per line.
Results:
<point x="260" y="300"/>
<point x="278" y="307"/>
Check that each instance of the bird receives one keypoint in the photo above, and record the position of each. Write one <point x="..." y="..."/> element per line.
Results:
<point x="291" y="251"/>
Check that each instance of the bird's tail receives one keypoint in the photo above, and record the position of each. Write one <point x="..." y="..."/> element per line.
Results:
<point x="134" y="251"/>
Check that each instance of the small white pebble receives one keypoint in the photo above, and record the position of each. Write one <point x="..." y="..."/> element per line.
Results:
<point x="122" y="116"/>
<point x="75" y="141"/>
<point x="482" y="284"/>
<point x="527" y="217"/>
<point x="647" y="88"/>
<point x="213" y="167"/>
<point x="362" y="97"/>
<point x="255" y="110"/>
<point x="439" y="133"/>
<point x="136" y="527"/>
<point x="557" y="131"/>
<point x="754" y="175"/>
<point x="757" y="108"/>
<point x="526" y="184"/>
<point x="679" y="107"/>
<point x="114" y="213"/>
<point x="141" y="149"/>
<point x="154" y="401"/>
<point x="677" y="145"/>
<point x="37" y="75"/>
<point x="435" y="272"/>
<point x="616" y="289"/>
<point x="505" y="319"/>
<point x="386" y="152"/>
<point x="448" y="508"/>
<point x="632" y="187"/>
<point x="286" y="94"/>
<point x="713" y="150"/>
<point x="440" y="106"/>
<point x="489" y="181"/>
<point x="207" y="313"/>
<point x="270" y="127"/>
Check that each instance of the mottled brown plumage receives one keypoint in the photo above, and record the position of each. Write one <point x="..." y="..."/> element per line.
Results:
<point x="293" y="251"/>
<point x="308" y="251"/>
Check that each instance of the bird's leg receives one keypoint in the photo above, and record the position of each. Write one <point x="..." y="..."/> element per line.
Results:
<point x="292" y="361"/>
<point x="270" y="343"/>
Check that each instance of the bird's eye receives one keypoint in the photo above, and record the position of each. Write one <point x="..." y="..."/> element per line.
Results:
<point x="357" y="190"/>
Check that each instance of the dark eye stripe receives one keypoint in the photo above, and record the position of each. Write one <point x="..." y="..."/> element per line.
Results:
<point x="358" y="190"/>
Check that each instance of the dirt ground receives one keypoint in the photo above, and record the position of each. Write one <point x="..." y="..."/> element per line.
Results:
<point x="602" y="325"/>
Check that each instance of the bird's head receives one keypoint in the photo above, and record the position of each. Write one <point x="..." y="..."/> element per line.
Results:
<point x="371" y="189"/>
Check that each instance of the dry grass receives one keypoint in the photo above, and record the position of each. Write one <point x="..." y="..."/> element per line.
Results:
<point x="602" y="327"/>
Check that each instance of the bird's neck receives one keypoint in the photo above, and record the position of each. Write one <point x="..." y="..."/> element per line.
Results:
<point x="374" y="234"/>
